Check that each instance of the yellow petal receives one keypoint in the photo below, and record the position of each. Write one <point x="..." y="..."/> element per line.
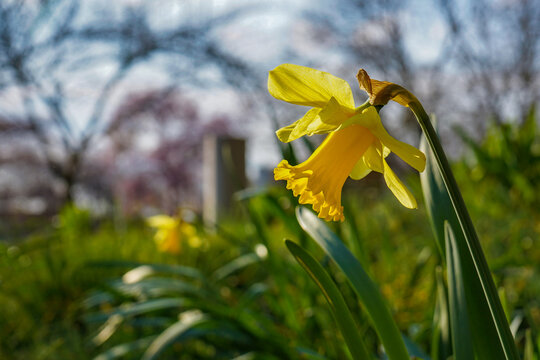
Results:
<point x="195" y="242"/>
<point x="300" y="127"/>
<point x="360" y="170"/>
<point x="370" y="161"/>
<point x="334" y="114"/>
<point x="373" y="157"/>
<point x="161" y="221"/>
<point x="316" y="121"/>
<point x="386" y="151"/>
<point x="309" y="87"/>
<point x="406" y="152"/>
<point x="170" y="242"/>
<point x="309" y="124"/>
<point x="398" y="189"/>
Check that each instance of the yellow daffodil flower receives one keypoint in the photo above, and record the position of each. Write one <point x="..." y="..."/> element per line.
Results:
<point x="357" y="142"/>
<point x="171" y="232"/>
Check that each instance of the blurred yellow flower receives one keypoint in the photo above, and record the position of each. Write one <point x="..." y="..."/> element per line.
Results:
<point x="357" y="142"/>
<point x="171" y="232"/>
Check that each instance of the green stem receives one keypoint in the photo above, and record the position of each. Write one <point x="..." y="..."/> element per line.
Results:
<point x="469" y="232"/>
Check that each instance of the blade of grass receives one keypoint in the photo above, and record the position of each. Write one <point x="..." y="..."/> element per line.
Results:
<point x="334" y="298"/>
<point x="459" y="320"/>
<point x="364" y="287"/>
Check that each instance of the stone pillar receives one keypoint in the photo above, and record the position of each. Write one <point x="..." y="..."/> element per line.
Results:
<point x="224" y="172"/>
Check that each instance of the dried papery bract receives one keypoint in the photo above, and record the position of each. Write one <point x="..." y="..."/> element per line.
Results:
<point x="381" y="92"/>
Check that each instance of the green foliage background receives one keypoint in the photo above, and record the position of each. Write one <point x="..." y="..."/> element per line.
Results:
<point x="61" y="284"/>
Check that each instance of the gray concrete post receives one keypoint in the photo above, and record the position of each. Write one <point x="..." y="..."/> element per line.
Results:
<point x="224" y="172"/>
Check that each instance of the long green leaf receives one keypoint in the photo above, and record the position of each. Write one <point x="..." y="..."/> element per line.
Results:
<point x="529" y="347"/>
<point x="122" y="350"/>
<point x="441" y="344"/>
<point x="364" y="287"/>
<point x="174" y="331"/>
<point x="149" y="269"/>
<point x="149" y="306"/>
<point x="471" y="241"/>
<point x="235" y="265"/>
<point x="334" y="298"/>
<point x="486" y="342"/>
<point x="414" y="350"/>
<point x="114" y="319"/>
<point x="158" y="286"/>
<point x="459" y="319"/>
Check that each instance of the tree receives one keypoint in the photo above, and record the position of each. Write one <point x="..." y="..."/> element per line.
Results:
<point x="495" y="46"/>
<point x="155" y="142"/>
<point x="486" y="68"/>
<point x="64" y="64"/>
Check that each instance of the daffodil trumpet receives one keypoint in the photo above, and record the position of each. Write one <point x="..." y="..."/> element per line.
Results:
<point x="357" y="142"/>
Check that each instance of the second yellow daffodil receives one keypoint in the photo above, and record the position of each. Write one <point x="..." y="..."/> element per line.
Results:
<point x="357" y="142"/>
<point x="172" y="233"/>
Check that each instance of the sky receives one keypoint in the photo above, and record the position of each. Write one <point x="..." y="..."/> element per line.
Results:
<point x="265" y="35"/>
<point x="280" y="29"/>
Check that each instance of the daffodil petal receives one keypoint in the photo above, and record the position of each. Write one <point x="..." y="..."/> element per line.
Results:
<point x="161" y="221"/>
<point x="373" y="157"/>
<point x="360" y="170"/>
<point x="370" y="161"/>
<point x="316" y="121"/>
<point x="335" y="114"/>
<point x="386" y="151"/>
<point x="309" y="124"/>
<point x="300" y="127"/>
<point x="398" y="188"/>
<point x="406" y="152"/>
<point x="301" y="85"/>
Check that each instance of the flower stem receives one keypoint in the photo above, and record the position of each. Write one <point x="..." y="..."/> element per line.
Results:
<point x="469" y="232"/>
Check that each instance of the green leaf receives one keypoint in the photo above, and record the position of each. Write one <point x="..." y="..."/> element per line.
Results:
<point x="167" y="337"/>
<point x="364" y="287"/>
<point x="438" y="204"/>
<point x="235" y="265"/>
<point x="459" y="319"/>
<point x="415" y="350"/>
<point x="159" y="286"/>
<point x="143" y="269"/>
<point x="148" y="306"/>
<point x="334" y="298"/>
<point x="441" y="343"/>
<point x="309" y="354"/>
<point x="529" y="346"/>
<point x="125" y="349"/>
<point x="116" y="317"/>
<point x="486" y="341"/>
